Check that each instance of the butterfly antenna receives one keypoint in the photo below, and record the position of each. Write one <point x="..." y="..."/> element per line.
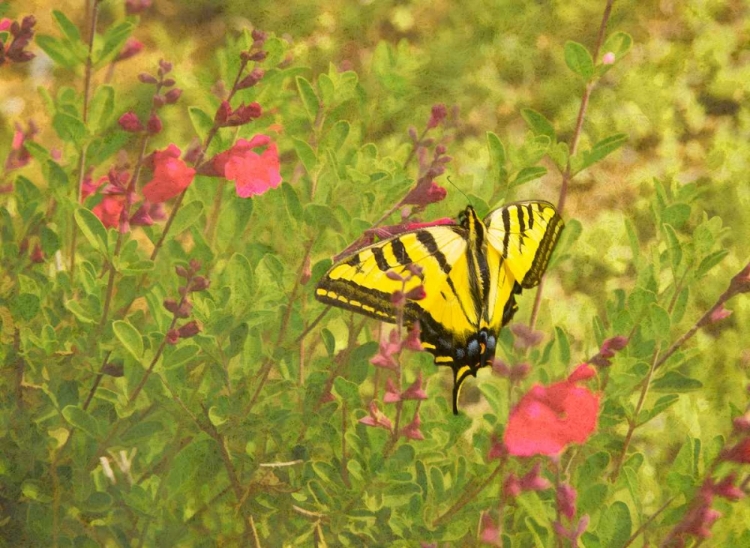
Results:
<point x="461" y="191"/>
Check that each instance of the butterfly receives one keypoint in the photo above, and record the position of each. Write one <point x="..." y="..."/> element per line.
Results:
<point x="471" y="273"/>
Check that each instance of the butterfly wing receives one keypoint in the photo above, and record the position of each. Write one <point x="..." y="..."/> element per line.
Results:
<point x="448" y="315"/>
<point x="521" y="237"/>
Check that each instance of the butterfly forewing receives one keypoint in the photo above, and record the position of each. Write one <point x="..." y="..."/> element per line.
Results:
<point x="525" y="233"/>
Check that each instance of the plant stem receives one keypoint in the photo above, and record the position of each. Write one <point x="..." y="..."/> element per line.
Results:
<point x="567" y="174"/>
<point x="466" y="498"/>
<point x="633" y="422"/>
<point x="646" y="523"/>
<point x="85" y="114"/>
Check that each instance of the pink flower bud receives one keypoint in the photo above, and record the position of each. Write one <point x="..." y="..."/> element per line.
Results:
<point x="391" y="392"/>
<point x="190" y="329"/>
<point x="131" y="48"/>
<point x="411" y="430"/>
<point x="173" y="95"/>
<point x="130" y="122"/>
<point x="566" y="500"/>
<point x="512" y="486"/>
<point x="415" y="391"/>
<point x="147" y="78"/>
<point x="438" y="114"/>
<point x="154" y="124"/>
<point x="173" y="336"/>
<point x="608" y="58"/>
<point x="582" y="373"/>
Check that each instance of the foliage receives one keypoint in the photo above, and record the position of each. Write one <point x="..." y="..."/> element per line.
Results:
<point x="167" y="376"/>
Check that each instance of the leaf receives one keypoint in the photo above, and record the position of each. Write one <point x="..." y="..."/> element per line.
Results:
<point x="528" y="174"/>
<point x="661" y="404"/>
<point x="710" y="261"/>
<point x="186" y="217"/>
<point x="70" y="128"/>
<point x="320" y="216"/>
<point x="347" y="391"/>
<point x="579" y="60"/>
<point x="129" y="337"/>
<point x="497" y="156"/>
<point x="676" y="215"/>
<point x="241" y="284"/>
<point x="600" y="150"/>
<point x="292" y="201"/>
<point x="93" y="229"/>
<point x="101" y="108"/>
<point x="618" y="43"/>
<point x="113" y="40"/>
<point x="306" y="155"/>
<point x="202" y="122"/>
<point x="560" y="154"/>
<point x="615" y="525"/>
<point x="180" y="354"/>
<point x="673" y="381"/>
<point x="309" y="98"/>
<point x="82" y="420"/>
<point x="57" y="51"/>
<point x="563" y="345"/>
<point x="67" y="26"/>
<point x="329" y="341"/>
<point x="538" y="123"/>
<point x="658" y="322"/>
<point x="25" y="306"/>
<point x="673" y="248"/>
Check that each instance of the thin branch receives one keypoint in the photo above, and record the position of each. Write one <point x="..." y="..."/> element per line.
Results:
<point x="567" y="174"/>
<point x="646" y="523"/>
<point x="468" y="496"/>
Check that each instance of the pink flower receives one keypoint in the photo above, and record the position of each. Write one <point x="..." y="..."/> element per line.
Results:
<point x="412" y="430"/>
<point x="608" y="59"/>
<point x="415" y="391"/>
<point x="739" y="453"/>
<point x="252" y="173"/>
<point x="391" y="392"/>
<point x="550" y="417"/>
<point x="171" y="176"/>
<point x="438" y="114"/>
<point x="377" y="418"/>
<point x="89" y="186"/>
<point x="490" y="531"/>
<point x="131" y="48"/>
<point x="109" y="210"/>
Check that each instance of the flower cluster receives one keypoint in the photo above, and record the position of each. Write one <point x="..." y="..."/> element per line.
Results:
<point x="608" y="350"/>
<point x="181" y="309"/>
<point x="548" y="418"/>
<point x="427" y="191"/>
<point x="22" y="33"/>
<point x="565" y="496"/>
<point x="387" y="358"/>
<point x="131" y="122"/>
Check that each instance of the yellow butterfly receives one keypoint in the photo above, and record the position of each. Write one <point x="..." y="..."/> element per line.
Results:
<point x="472" y="272"/>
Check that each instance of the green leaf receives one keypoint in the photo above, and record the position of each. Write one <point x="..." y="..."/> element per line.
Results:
<point x="320" y="216"/>
<point x="528" y="174"/>
<point x="579" y="60"/>
<point x="186" y="217"/>
<point x="673" y="381"/>
<point x="306" y="155"/>
<point x="60" y="53"/>
<point x="615" y="525"/>
<point x="329" y="341"/>
<point x="101" y="108"/>
<point x="70" y="128"/>
<point x="93" y="229"/>
<point x="710" y="261"/>
<point x="202" y="122"/>
<point x="292" y="201"/>
<point x="600" y="150"/>
<point x="180" y="354"/>
<point x="538" y="123"/>
<point x="347" y="391"/>
<point x="67" y="26"/>
<point x="658" y="322"/>
<point x="560" y="154"/>
<point x="661" y="404"/>
<point x="49" y="240"/>
<point x="113" y="40"/>
<point x="676" y="215"/>
<point x="129" y="337"/>
<point x="497" y="157"/>
<point x="618" y="43"/>
<point x="673" y="248"/>
<point x="241" y="284"/>
<point x="563" y="346"/>
<point x="309" y="98"/>
<point x="25" y="306"/>
<point x="82" y="420"/>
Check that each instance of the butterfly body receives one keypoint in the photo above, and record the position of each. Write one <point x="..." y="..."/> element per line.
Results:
<point x="472" y="272"/>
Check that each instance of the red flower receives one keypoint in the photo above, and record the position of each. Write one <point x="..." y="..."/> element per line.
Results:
<point x="550" y="417"/>
<point x="109" y="210"/>
<point x="131" y="48"/>
<point x="739" y="453"/>
<point x="171" y="176"/>
<point x="252" y="173"/>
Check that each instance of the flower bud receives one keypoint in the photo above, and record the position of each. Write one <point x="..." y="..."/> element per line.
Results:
<point x="173" y="336"/>
<point x="130" y="122"/>
<point x="172" y="96"/>
<point x="154" y="124"/>
<point x="146" y="78"/>
<point x="158" y="100"/>
<point x="199" y="283"/>
<point x="170" y="305"/>
<point x="190" y="329"/>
